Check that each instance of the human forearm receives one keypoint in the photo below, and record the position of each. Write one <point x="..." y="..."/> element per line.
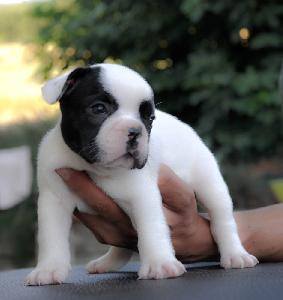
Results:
<point x="261" y="231"/>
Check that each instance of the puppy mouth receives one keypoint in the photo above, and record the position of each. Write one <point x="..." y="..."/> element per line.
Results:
<point x="134" y="154"/>
<point x="137" y="163"/>
<point x="130" y="156"/>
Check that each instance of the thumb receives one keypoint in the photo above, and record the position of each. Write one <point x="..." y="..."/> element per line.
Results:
<point x="96" y="224"/>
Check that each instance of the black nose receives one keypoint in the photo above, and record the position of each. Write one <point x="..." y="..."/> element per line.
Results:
<point x="134" y="132"/>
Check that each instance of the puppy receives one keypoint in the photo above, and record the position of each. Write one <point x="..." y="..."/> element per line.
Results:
<point x="106" y="129"/>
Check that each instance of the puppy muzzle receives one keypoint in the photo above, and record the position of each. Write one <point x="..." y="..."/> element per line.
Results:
<point x="132" y="148"/>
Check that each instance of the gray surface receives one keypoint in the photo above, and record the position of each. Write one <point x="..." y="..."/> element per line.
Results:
<point x="200" y="282"/>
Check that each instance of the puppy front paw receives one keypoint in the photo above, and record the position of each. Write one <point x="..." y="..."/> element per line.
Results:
<point x="48" y="274"/>
<point x="161" y="269"/>
<point x="238" y="259"/>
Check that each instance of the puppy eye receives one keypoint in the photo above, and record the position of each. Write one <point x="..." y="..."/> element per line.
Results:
<point x="98" y="108"/>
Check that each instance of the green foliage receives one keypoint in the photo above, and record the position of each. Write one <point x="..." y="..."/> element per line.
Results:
<point x="191" y="52"/>
<point x="16" y="24"/>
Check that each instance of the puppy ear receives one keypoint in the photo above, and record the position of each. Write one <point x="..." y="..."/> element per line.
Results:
<point x="55" y="89"/>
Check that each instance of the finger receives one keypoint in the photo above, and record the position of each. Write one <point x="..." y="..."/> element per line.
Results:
<point x="105" y="231"/>
<point x="96" y="224"/>
<point x="81" y="184"/>
<point x="176" y="194"/>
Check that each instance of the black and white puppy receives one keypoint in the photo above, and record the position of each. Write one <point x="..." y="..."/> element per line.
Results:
<point x="106" y="130"/>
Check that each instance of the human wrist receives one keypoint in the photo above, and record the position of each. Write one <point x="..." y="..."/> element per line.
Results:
<point x="199" y="244"/>
<point x="249" y="232"/>
<point x="244" y="230"/>
<point x="207" y="245"/>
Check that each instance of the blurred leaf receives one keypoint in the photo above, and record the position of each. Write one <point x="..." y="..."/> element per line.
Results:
<point x="225" y="86"/>
<point x="265" y="40"/>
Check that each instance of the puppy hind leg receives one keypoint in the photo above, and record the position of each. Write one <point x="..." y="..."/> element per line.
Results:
<point x="112" y="261"/>
<point x="213" y="193"/>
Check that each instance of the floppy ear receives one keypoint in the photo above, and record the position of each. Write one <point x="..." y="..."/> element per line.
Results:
<point x="54" y="89"/>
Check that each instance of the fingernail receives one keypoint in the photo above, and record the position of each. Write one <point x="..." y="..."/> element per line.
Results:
<point x="64" y="173"/>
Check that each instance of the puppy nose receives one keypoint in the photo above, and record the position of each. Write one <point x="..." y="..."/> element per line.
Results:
<point x="134" y="132"/>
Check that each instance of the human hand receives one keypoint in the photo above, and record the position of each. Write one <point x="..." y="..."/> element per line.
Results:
<point x="190" y="232"/>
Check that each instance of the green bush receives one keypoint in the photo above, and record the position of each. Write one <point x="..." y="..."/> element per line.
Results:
<point x="191" y="52"/>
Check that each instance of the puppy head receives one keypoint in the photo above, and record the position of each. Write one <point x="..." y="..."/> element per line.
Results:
<point x="107" y="114"/>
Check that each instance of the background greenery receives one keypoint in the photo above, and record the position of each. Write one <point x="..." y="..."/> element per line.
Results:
<point x="16" y="24"/>
<point x="213" y="64"/>
<point x="192" y="54"/>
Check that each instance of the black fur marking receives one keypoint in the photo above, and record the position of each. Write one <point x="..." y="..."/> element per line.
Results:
<point x="80" y="101"/>
<point x="147" y="114"/>
<point x="72" y="80"/>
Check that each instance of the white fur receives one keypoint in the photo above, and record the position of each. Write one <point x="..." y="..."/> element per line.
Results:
<point x="136" y="191"/>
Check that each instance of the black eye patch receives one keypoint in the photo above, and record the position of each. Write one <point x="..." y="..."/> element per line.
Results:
<point x="146" y="111"/>
<point x="85" y="105"/>
<point x="99" y="107"/>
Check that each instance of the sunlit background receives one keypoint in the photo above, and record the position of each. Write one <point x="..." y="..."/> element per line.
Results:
<point x="215" y="65"/>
